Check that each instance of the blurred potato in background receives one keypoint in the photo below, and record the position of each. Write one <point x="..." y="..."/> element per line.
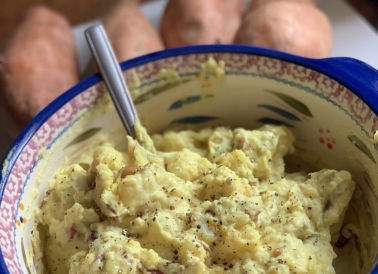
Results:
<point x="76" y="11"/>
<point x="79" y="11"/>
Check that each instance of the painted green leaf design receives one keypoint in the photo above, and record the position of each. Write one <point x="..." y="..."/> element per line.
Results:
<point x="194" y="119"/>
<point x="281" y="112"/>
<point x="294" y="103"/>
<point x="189" y="100"/>
<point x="156" y="90"/>
<point x="361" y="146"/>
<point x="266" y="120"/>
<point x="84" y="136"/>
<point x="369" y="183"/>
<point x="24" y="256"/>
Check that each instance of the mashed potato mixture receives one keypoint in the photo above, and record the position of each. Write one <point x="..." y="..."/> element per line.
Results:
<point x="215" y="200"/>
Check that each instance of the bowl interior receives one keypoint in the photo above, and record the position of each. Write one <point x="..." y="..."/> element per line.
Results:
<point x="334" y="128"/>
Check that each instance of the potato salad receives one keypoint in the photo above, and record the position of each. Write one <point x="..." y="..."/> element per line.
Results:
<point x="215" y="200"/>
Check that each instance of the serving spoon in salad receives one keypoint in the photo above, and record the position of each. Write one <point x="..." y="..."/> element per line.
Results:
<point x="112" y="76"/>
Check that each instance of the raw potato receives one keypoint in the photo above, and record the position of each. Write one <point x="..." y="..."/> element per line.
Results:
<point x="192" y="22"/>
<point x="295" y="27"/>
<point x="130" y="32"/>
<point x="256" y="3"/>
<point x="38" y="65"/>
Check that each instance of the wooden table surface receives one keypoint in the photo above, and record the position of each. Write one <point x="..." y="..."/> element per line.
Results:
<point x="79" y="11"/>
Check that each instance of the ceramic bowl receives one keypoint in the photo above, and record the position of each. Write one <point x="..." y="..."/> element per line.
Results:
<point x="330" y="104"/>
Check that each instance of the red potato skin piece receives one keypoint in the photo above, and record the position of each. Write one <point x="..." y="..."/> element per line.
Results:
<point x="130" y="32"/>
<point x="201" y="22"/>
<point x="290" y="26"/>
<point x="38" y="65"/>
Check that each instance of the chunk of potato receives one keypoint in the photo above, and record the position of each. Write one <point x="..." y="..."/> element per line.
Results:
<point x="38" y="65"/>
<point x="130" y="32"/>
<point x="200" y="22"/>
<point x="296" y="27"/>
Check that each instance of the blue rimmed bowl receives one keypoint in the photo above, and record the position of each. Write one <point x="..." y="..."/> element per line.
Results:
<point x="330" y="104"/>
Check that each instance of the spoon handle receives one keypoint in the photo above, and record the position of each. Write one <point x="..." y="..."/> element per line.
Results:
<point x="112" y="76"/>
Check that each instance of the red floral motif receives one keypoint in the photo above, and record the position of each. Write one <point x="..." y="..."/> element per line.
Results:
<point x="26" y="159"/>
<point x="5" y="241"/>
<point x="12" y="191"/>
<point x="374" y="127"/>
<point x="345" y="98"/>
<point x="62" y="116"/>
<point x="6" y="214"/>
<point x="269" y="66"/>
<point x="12" y="266"/>
<point x="326" y="139"/>
<point x="360" y="110"/>
<point x="300" y="73"/>
<point x="43" y="135"/>
<point x="86" y="99"/>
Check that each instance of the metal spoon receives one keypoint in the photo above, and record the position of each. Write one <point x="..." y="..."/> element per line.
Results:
<point x="112" y="76"/>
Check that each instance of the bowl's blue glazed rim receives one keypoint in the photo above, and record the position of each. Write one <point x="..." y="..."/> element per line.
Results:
<point x="355" y="75"/>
